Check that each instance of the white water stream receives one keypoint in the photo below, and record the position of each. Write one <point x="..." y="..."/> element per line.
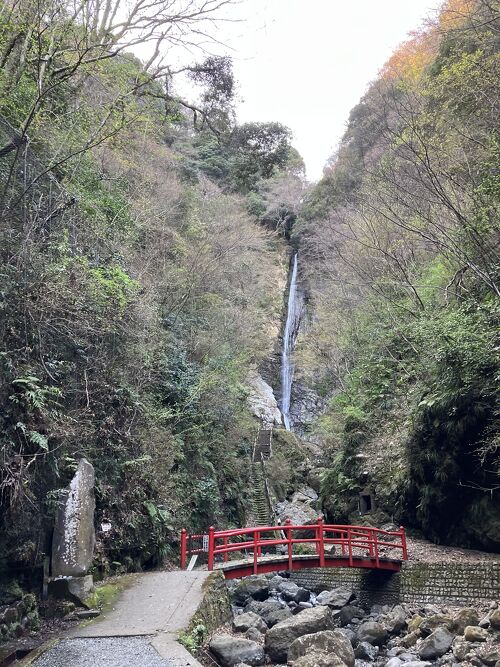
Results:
<point x="289" y="337"/>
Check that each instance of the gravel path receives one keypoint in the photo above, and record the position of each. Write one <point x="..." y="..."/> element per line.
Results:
<point x="103" y="652"/>
<point x="140" y="630"/>
<point x="422" y="551"/>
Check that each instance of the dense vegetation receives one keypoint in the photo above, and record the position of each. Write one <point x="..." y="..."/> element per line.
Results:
<point x="400" y="244"/>
<point x="137" y="287"/>
<point x="143" y="261"/>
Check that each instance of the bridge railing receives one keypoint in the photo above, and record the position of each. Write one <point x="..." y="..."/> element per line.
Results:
<point x="351" y="542"/>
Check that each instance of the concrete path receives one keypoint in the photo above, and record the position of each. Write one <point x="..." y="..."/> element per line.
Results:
<point x="141" y="629"/>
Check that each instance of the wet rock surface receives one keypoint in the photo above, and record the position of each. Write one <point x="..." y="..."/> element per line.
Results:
<point x="304" y="628"/>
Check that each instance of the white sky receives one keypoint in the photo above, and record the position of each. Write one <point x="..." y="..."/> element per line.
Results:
<point x="306" y="63"/>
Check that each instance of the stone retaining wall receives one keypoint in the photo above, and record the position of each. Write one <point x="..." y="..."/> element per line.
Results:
<point x="416" y="583"/>
<point x="214" y="611"/>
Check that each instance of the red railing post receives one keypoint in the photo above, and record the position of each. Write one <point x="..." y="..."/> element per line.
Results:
<point x="256" y="539"/>
<point x="211" y="548"/>
<point x="349" y="545"/>
<point x="403" y="543"/>
<point x="183" y="549"/>
<point x="375" y="545"/>
<point x="371" y="538"/>
<point x="226" y="554"/>
<point x="288" y="529"/>
<point x="321" y="542"/>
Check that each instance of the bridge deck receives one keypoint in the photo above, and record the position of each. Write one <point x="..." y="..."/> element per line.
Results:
<point x="265" y="564"/>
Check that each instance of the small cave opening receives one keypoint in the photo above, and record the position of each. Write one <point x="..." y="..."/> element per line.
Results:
<point x="366" y="502"/>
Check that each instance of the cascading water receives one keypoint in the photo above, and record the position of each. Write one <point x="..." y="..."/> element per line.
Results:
<point x="289" y="337"/>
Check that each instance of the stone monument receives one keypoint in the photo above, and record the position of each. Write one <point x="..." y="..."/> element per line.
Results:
<point x="74" y="534"/>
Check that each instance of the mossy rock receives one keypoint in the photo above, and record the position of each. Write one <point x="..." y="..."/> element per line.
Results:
<point x="30" y="602"/>
<point x="33" y="620"/>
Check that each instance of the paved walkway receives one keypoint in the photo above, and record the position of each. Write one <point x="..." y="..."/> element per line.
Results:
<point x="140" y="630"/>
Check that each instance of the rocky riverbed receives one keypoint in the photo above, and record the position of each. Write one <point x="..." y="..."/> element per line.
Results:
<point x="276" y="621"/>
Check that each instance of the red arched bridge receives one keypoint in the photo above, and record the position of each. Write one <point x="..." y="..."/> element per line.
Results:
<point x="243" y="551"/>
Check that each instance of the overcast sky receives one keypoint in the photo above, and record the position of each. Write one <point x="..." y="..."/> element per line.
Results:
<point x="306" y="63"/>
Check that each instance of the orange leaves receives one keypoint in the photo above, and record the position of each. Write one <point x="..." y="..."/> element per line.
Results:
<point x="410" y="59"/>
<point x="454" y="13"/>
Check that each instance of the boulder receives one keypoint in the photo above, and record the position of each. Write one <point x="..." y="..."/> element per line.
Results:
<point x="242" y="622"/>
<point x="253" y="634"/>
<point x="255" y="586"/>
<point x="293" y="593"/>
<point x="365" y="651"/>
<point x="395" y="621"/>
<point x="494" y="618"/>
<point x="74" y="535"/>
<point x="430" y="623"/>
<point x="372" y="632"/>
<point x="337" y="598"/>
<point x="275" y="581"/>
<point x="414" y="623"/>
<point x="314" y="478"/>
<point x="350" y="634"/>
<point x="305" y="495"/>
<point x="277" y="616"/>
<point x="76" y="589"/>
<point x="466" y="616"/>
<point x="262" y="400"/>
<point x="280" y="637"/>
<point x="230" y="651"/>
<point x="394" y="662"/>
<point x="410" y="639"/>
<point x="418" y="663"/>
<point x="490" y="655"/>
<point x="485" y="622"/>
<point x="263" y="607"/>
<point x="318" y="659"/>
<point x="473" y="633"/>
<point x="348" y="613"/>
<point x="461" y="649"/>
<point x="328" y="641"/>
<point x="81" y="588"/>
<point x="299" y="514"/>
<point x="407" y="657"/>
<point x="436" y="644"/>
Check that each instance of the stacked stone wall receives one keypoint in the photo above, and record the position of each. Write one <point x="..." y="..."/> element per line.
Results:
<point x="416" y="583"/>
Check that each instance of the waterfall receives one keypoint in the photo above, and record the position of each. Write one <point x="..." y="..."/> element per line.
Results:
<point x="289" y="337"/>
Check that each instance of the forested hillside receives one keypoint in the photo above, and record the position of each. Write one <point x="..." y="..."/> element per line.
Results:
<point x="143" y="265"/>
<point x="399" y="245"/>
<point x="145" y="239"/>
